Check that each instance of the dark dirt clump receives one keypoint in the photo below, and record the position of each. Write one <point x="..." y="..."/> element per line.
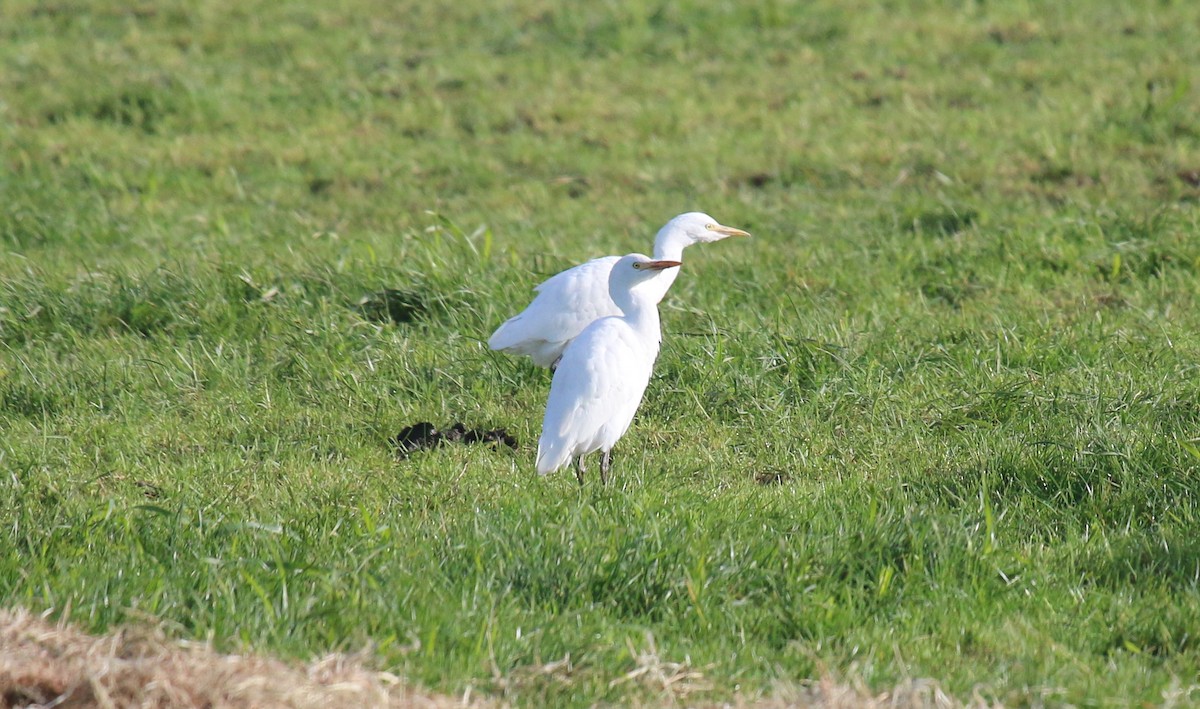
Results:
<point x="424" y="436"/>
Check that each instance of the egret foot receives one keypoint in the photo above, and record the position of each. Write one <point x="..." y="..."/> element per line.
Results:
<point x="579" y="470"/>
<point x="605" y="462"/>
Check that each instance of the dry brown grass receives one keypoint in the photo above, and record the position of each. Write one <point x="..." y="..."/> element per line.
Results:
<point x="57" y="665"/>
<point x="828" y="693"/>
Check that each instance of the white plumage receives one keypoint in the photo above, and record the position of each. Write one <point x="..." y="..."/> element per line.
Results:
<point x="569" y="301"/>
<point x="599" y="382"/>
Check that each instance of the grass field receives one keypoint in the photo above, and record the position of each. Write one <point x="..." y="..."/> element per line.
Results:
<point x="939" y="418"/>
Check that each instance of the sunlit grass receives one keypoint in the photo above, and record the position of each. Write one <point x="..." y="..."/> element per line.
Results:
<point x="938" y="418"/>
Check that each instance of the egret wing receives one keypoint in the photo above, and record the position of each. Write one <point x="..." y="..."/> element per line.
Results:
<point x="565" y="304"/>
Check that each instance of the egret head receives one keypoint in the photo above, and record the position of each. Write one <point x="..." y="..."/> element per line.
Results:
<point x="699" y="228"/>
<point x="636" y="268"/>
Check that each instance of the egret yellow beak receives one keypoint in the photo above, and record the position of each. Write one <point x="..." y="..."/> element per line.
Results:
<point x="729" y="231"/>
<point x="660" y="265"/>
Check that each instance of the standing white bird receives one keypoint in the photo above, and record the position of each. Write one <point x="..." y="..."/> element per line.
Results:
<point x="568" y="302"/>
<point x="599" y="382"/>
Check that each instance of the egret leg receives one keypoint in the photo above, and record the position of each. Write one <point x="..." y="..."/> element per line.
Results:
<point x="605" y="462"/>
<point x="579" y="470"/>
<point x="554" y="364"/>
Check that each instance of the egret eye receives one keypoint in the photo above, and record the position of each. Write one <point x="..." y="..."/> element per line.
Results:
<point x="710" y="227"/>
<point x="637" y="265"/>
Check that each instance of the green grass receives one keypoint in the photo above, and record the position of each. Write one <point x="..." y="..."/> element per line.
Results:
<point x="939" y="418"/>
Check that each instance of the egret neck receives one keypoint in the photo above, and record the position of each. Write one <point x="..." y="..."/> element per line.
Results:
<point x="670" y="242"/>
<point x="641" y="309"/>
<point x="668" y="246"/>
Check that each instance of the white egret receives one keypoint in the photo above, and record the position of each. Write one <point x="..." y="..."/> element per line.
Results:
<point x="599" y="382"/>
<point x="569" y="301"/>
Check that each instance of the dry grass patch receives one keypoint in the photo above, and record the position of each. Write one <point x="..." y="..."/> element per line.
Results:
<point x="58" y="665"/>
<point x="828" y="693"/>
<point x="46" y="664"/>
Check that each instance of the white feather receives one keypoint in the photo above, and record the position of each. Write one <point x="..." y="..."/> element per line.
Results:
<point x="570" y="301"/>
<point x="604" y="371"/>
